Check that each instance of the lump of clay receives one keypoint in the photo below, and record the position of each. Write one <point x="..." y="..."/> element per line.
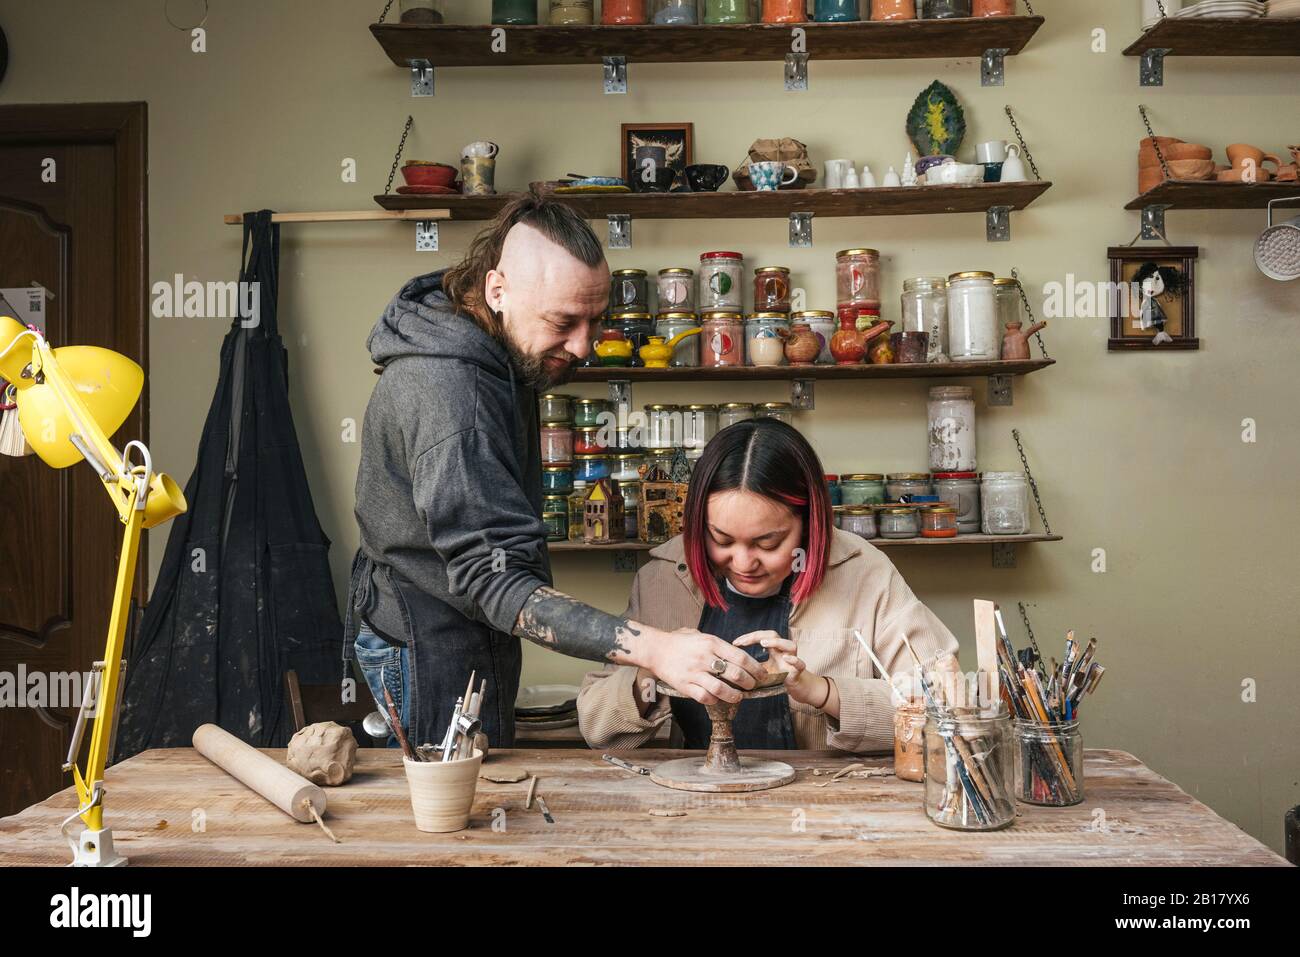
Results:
<point x="323" y="753"/>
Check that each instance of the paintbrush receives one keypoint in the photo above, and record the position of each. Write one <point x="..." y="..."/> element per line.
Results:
<point x="395" y="723"/>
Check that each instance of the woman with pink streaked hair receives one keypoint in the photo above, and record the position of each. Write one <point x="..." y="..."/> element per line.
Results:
<point x="760" y="564"/>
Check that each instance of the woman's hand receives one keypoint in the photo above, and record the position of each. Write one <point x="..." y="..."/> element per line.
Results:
<point x="801" y="684"/>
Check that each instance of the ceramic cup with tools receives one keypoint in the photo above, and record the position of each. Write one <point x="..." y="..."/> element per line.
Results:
<point x="994" y="151"/>
<point x="771" y="175"/>
<point x="442" y="792"/>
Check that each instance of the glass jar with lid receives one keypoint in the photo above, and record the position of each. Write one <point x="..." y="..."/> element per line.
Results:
<point x="781" y="411"/>
<point x="623" y="11"/>
<point x="628" y="291"/>
<point x="972" y="317"/>
<point x="587" y="412"/>
<point x="699" y="425"/>
<point x="863" y="488"/>
<point x="961" y="490"/>
<point x="571" y="12"/>
<point x="925" y="309"/>
<point x="676" y="286"/>
<point x="661" y="459"/>
<point x="945" y="9"/>
<point x="898" y="521"/>
<point x="951" y="414"/>
<point x="686" y="354"/>
<point x="835" y="11"/>
<point x="899" y="484"/>
<point x="894" y="9"/>
<point x="732" y="412"/>
<point x="514" y="12"/>
<point x="909" y="739"/>
<point x="556" y="524"/>
<point x="631" y="507"/>
<point x="589" y="441"/>
<point x="557" y="443"/>
<point x="420" y="11"/>
<point x="784" y="11"/>
<point x="555" y="407"/>
<point x="858" y="519"/>
<point x="590" y="468"/>
<point x="675" y="12"/>
<point x="939" y="521"/>
<point x="765" y="335"/>
<point x="663" y="425"/>
<point x="637" y="328"/>
<point x="857" y="278"/>
<point x="557" y="479"/>
<point x="1049" y="762"/>
<point x="577" y="507"/>
<point x="823" y="325"/>
<point x="772" y="289"/>
<point x="626" y="468"/>
<point x="1006" y="296"/>
<point x="960" y="793"/>
<point x="721" y="274"/>
<point x="628" y="437"/>
<point x="727" y="11"/>
<point x="723" y="342"/>
<point x="833" y="489"/>
<point x="1004" y="503"/>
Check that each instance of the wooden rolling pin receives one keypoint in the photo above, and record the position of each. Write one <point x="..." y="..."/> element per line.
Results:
<point x="291" y="793"/>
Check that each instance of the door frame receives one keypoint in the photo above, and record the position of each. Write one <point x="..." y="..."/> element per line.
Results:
<point x="125" y="127"/>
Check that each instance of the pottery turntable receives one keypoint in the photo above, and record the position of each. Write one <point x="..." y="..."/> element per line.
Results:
<point x="721" y="768"/>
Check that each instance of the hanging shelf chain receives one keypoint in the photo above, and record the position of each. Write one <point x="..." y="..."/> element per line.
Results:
<point x="1024" y="148"/>
<point x="388" y="188"/>
<point x="1029" y="630"/>
<point x="1030" y="7"/>
<point x="1160" y="155"/>
<point x="1161" y="7"/>
<point x="1030" y="310"/>
<point x="388" y="6"/>
<point x="1033" y="486"/>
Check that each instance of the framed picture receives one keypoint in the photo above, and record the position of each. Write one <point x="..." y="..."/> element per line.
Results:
<point x="660" y="144"/>
<point x="1153" y="297"/>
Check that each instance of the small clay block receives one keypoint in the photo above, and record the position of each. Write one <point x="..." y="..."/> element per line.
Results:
<point x="666" y="812"/>
<point x="323" y="753"/>
<point x="503" y="773"/>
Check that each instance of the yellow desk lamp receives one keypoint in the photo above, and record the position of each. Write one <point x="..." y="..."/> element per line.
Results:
<point x="70" y="400"/>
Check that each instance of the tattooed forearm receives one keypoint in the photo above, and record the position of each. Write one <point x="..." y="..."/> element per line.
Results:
<point x="564" y="624"/>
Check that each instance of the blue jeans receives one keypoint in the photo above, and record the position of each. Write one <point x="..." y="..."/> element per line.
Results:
<point x="385" y="665"/>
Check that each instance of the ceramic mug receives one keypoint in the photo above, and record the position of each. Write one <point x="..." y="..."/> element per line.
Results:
<point x="1248" y="161"/>
<point x="835" y="171"/>
<point x="480" y="148"/>
<point x="994" y="151"/>
<point x="478" y="175"/>
<point x="1013" y="169"/>
<point x="771" y="175"/>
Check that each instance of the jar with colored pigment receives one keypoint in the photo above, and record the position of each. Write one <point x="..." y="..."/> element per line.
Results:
<point x="857" y="278"/>
<point x="951" y="428"/>
<point x="637" y="328"/>
<point x="784" y="11"/>
<point x="1004" y="503"/>
<point x="721" y="275"/>
<point x="727" y="11"/>
<point x="925" y="309"/>
<point x="588" y="441"/>
<point x="899" y="484"/>
<point x="521" y="12"/>
<point x="781" y="411"/>
<point x="722" y="339"/>
<point x="622" y="11"/>
<point x="557" y="443"/>
<point x="577" y="506"/>
<point x="625" y="437"/>
<point x="833" y="489"/>
<point x="1049" y="762"/>
<point x="961" y="490"/>
<point x="732" y="412"/>
<point x="570" y="12"/>
<point x="945" y="9"/>
<point x="664" y="425"/>
<point x="699" y="425"/>
<point x="590" y="468"/>
<point x="772" y="289"/>
<point x="669" y="12"/>
<point x="909" y="740"/>
<point x="952" y="798"/>
<point x="626" y="467"/>
<point x="765" y="335"/>
<point x="993" y="8"/>
<point x="555" y="407"/>
<point x="686" y="354"/>
<point x="676" y="287"/>
<point x="863" y="488"/>
<point x="557" y="524"/>
<point x="939" y="522"/>
<point x="858" y="519"/>
<point x="587" y="412"/>
<point x="898" y="522"/>
<point x="893" y="9"/>
<point x="823" y="325"/>
<point x="557" y="479"/>
<point x="835" y="11"/>
<point x="628" y="291"/>
<point x="973" y="333"/>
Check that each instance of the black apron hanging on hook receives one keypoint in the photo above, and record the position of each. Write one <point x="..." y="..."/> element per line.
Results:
<point x="244" y="593"/>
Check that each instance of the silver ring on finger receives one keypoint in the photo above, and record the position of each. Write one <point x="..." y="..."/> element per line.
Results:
<point x="719" y="667"/>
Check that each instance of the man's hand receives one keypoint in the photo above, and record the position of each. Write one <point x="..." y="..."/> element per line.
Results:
<point x="684" y="660"/>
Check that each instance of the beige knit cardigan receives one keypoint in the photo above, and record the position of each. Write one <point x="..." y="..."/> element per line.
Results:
<point x="861" y="589"/>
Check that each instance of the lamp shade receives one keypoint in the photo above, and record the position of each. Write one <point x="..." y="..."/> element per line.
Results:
<point x="107" y="386"/>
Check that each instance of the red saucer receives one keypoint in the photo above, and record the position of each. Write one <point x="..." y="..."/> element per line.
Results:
<point x="427" y="190"/>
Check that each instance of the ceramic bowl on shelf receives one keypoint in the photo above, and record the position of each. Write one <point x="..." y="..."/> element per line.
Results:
<point x="952" y="173"/>
<point x="418" y="173"/>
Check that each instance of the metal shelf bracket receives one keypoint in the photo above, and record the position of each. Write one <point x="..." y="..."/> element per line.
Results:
<point x="1153" y="222"/>
<point x="796" y="72"/>
<point x="801" y="230"/>
<point x="426" y="236"/>
<point x="421" y="78"/>
<point x="802" y="394"/>
<point x="1152" y="69"/>
<point x="1000" y="392"/>
<point x="997" y="226"/>
<point x="620" y="230"/>
<point x="615" y="80"/>
<point x="1004" y="555"/>
<point x="993" y="66"/>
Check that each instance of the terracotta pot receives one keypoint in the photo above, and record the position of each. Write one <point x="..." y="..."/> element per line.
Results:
<point x="802" y="347"/>
<point x="1192" y="169"/>
<point x="1150" y="179"/>
<point x="849" y="346"/>
<point x="1015" y="344"/>
<point x="1174" y="151"/>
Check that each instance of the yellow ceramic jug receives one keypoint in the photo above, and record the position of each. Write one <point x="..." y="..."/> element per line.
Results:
<point x="656" y="352"/>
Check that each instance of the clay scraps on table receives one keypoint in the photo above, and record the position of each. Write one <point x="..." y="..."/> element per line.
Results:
<point x="852" y="771"/>
<point x="503" y="774"/>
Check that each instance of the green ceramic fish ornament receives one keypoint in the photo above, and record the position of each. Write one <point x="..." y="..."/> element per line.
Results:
<point x="936" y="123"/>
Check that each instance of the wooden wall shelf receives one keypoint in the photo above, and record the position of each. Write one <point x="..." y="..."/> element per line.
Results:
<point x="921" y="370"/>
<point x="444" y="45"/>
<point x="1259" y="36"/>
<point x="879" y="542"/>
<point x="1211" y="194"/>
<point x="738" y="204"/>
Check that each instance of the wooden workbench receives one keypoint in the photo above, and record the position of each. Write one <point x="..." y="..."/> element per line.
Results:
<point x="1131" y="816"/>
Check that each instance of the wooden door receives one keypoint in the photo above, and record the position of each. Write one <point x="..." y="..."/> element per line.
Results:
<point x="72" y="219"/>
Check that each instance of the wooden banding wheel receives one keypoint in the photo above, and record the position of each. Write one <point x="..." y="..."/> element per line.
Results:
<point x="721" y="768"/>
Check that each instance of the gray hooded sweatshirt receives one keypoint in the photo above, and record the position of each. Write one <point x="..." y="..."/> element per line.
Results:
<point x="449" y="490"/>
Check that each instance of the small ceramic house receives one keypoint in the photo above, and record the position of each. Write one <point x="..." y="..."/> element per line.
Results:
<point x="663" y="501"/>
<point x="602" y="514"/>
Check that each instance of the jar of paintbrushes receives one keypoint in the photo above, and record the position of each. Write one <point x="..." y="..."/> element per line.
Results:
<point x="1049" y="762"/>
<point x="968" y="766"/>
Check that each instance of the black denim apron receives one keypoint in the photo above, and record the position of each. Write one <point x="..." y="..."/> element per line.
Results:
<point x="761" y="724"/>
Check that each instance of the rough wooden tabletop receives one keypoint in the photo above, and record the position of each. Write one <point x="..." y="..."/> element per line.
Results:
<point x="173" y="807"/>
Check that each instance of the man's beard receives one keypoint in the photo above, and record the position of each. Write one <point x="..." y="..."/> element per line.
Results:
<point x="534" y="372"/>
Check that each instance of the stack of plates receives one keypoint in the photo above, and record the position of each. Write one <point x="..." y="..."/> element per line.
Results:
<point x="1284" y="8"/>
<point x="1227" y="9"/>
<point x="547" y="706"/>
